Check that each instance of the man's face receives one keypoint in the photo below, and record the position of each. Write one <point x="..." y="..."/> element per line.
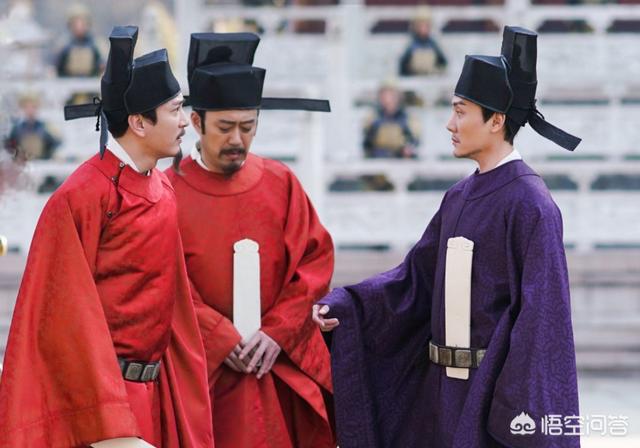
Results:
<point x="227" y="138"/>
<point x="164" y="137"/>
<point x="79" y="26"/>
<point x="470" y="134"/>
<point x="423" y="28"/>
<point x="30" y="109"/>
<point x="389" y="100"/>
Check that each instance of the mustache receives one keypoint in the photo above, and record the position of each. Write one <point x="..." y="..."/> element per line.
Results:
<point x="227" y="151"/>
<point x="181" y="134"/>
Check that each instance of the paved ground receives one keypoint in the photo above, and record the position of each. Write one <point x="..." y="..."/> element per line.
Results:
<point x="607" y="395"/>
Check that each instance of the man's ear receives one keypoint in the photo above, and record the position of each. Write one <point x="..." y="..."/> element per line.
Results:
<point x="136" y="124"/>
<point x="498" y="122"/>
<point x="196" y="122"/>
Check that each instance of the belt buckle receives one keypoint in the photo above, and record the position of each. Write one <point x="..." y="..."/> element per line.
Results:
<point x="462" y="358"/>
<point x="148" y="372"/>
<point x="445" y="357"/>
<point x="433" y="353"/>
<point x="156" y="371"/>
<point x="134" y="369"/>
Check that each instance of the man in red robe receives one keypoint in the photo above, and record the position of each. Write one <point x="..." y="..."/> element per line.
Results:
<point x="104" y="348"/>
<point x="272" y="389"/>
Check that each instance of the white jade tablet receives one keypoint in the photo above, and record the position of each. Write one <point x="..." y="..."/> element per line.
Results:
<point x="457" y="298"/>
<point x="246" y="288"/>
<point x="122" y="442"/>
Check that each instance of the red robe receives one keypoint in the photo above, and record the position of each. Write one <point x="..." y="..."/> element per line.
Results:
<point x="105" y="277"/>
<point x="263" y="201"/>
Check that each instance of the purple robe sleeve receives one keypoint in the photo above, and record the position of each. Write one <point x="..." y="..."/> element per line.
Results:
<point x="378" y="350"/>
<point x="539" y="373"/>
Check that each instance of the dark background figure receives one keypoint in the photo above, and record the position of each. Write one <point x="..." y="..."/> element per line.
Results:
<point x="30" y="138"/>
<point x="81" y="56"/>
<point x="423" y="56"/>
<point x="390" y="133"/>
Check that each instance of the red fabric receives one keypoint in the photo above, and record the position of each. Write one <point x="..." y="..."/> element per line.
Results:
<point x="145" y="405"/>
<point x="245" y="406"/>
<point x="104" y="278"/>
<point x="264" y="202"/>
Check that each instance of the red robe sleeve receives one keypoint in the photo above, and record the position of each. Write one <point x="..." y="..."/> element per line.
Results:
<point x="61" y="385"/>
<point x="310" y="266"/>
<point x="218" y="333"/>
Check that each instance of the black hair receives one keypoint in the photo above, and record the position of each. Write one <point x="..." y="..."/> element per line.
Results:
<point x="119" y="128"/>
<point x="202" y="113"/>
<point x="176" y="162"/>
<point x="178" y="157"/>
<point x="510" y="128"/>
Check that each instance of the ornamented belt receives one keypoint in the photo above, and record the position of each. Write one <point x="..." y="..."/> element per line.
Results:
<point x="467" y="358"/>
<point x="139" y="371"/>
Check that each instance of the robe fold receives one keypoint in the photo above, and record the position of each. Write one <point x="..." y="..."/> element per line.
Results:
<point x="105" y="278"/>
<point x="264" y="202"/>
<point x="387" y="391"/>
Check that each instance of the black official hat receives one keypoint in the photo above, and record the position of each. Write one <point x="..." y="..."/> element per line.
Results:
<point x="152" y="83"/>
<point x="484" y="80"/>
<point x="507" y="84"/>
<point x="128" y="86"/>
<point x="222" y="76"/>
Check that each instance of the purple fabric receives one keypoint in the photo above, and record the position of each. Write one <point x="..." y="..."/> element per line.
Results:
<point x="388" y="393"/>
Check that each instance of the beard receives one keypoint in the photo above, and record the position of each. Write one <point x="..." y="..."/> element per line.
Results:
<point x="233" y="166"/>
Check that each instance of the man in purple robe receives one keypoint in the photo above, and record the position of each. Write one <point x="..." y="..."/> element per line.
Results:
<point x="490" y="269"/>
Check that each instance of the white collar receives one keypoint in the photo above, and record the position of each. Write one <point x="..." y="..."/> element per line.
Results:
<point x="195" y="155"/>
<point x="513" y="155"/>
<point x="123" y="155"/>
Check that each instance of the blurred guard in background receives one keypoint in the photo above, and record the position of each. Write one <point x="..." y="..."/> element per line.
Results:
<point x="81" y="56"/>
<point x="391" y="132"/>
<point x="423" y="56"/>
<point x="30" y="137"/>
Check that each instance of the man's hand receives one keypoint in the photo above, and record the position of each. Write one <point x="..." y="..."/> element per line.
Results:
<point x="265" y="350"/>
<point x="234" y="363"/>
<point x="317" y="314"/>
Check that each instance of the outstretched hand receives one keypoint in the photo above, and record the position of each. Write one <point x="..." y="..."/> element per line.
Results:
<point x="318" y="313"/>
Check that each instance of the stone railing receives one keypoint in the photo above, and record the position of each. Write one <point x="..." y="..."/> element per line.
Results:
<point x="597" y="213"/>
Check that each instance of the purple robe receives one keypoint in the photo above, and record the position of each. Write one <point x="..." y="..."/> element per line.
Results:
<point x="387" y="391"/>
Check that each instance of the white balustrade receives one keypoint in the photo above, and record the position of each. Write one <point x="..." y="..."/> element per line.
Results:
<point x="598" y="71"/>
